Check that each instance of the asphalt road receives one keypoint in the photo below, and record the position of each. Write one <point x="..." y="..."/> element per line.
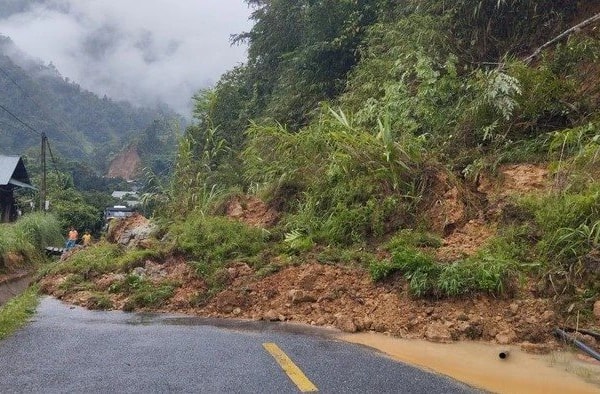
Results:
<point x="71" y="350"/>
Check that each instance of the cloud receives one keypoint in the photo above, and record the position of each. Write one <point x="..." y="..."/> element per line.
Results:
<point x="144" y="51"/>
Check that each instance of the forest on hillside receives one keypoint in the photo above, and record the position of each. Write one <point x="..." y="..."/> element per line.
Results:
<point x="81" y="126"/>
<point x="84" y="134"/>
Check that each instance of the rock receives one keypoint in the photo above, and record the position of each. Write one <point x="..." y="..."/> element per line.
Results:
<point x="548" y="316"/>
<point x="237" y="311"/>
<point x="139" y="271"/>
<point x="438" y="332"/>
<point x="462" y="317"/>
<point x="299" y="296"/>
<point x="367" y="323"/>
<point x="514" y="308"/>
<point x="345" y="323"/>
<point x="531" y="320"/>
<point x="597" y="310"/>
<point x="506" y="337"/>
<point x="536" y="348"/>
<point x="270" y="315"/>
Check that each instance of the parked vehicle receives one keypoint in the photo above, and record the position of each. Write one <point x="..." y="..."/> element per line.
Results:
<point x="117" y="212"/>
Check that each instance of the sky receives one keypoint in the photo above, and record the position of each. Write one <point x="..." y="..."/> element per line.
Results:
<point x="142" y="51"/>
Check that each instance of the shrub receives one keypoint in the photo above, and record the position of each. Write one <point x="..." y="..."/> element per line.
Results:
<point x="40" y="230"/>
<point x="485" y="272"/>
<point x="98" y="259"/>
<point x="28" y="237"/>
<point x="214" y="239"/>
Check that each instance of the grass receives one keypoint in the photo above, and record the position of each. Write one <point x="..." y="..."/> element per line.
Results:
<point x="16" y="312"/>
<point x="216" y="240"/>
<point x="28" y="237"/>
<point x="485" y="272"/>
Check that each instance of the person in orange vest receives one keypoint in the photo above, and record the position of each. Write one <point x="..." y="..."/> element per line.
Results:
<point x="71" y="239"/>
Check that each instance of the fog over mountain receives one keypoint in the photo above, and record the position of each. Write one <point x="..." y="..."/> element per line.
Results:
<point x="144" y="51"/>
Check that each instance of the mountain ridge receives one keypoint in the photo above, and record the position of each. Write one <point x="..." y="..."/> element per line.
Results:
<point x="80" y="125"/>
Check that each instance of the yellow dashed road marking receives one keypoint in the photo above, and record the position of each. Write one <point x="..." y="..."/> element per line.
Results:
<point x="294" y="373"/>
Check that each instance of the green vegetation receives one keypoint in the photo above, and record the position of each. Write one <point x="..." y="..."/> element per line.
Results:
<point x="354" y="120"/>
<point x="142" y="292"/>
<point x="23" y="242"/>
<point x="356" y="161"/>
<point x="80" y="125"/>
<point x="15" y="313"/>
<point x="217" y="239"/>
<point x="103" y="258"/>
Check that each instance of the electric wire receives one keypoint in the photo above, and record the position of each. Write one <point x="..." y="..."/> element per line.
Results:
<point x="19" y="120"/>
<point x="40" y="106"/>
<point x="54" y="162"/>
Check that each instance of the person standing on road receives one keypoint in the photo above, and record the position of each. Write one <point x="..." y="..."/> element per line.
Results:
<point x="71" y="239"/>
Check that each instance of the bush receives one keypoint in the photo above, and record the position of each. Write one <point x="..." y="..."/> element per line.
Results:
<point x="98" y="259"/>
<point x="349" y="185"/>
<point x="484" y="272"/>
<point x="40" y="229"/>
<point x="213" y="239"/>
<point x="28" y="237"/>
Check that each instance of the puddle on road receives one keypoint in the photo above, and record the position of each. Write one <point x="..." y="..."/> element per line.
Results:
<point x="479" y="365"/>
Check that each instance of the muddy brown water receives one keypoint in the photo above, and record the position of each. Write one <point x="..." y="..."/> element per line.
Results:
<point x="481" y="366"/>
<point x="13" y="287"/>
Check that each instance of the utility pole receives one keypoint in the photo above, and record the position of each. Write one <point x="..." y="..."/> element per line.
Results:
<point x="43" y="188"/>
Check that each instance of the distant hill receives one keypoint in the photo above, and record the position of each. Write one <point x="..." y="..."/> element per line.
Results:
<point x="80" y="125"/>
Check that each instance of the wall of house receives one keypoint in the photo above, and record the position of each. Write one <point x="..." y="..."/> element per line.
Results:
<point x="8" y="213"/>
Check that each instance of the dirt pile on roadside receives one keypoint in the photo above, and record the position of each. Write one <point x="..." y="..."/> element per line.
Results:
<point x="346" y="298"/>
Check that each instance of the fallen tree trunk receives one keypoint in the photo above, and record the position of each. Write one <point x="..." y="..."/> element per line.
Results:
<point x="565" y="33"/>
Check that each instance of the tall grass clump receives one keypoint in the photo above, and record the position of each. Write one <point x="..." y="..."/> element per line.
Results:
<point x="215" y="239"/>
<point x="28" y="237"/>
<point x="485" y="272"/>
<point x="568" y="222"/>
<point x="568" y="226"/>
<point x="40" y="229"/>
<point x="96" y="260"/>
<point x="343" y="184"/>
<point x="15" y="313"/>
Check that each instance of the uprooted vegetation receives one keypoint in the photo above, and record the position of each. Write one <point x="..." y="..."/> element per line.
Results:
<point x="436" y="196"/>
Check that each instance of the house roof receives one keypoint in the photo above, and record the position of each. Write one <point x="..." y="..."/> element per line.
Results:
<point x="12" y="171"/>
<point x="121" y="194"/>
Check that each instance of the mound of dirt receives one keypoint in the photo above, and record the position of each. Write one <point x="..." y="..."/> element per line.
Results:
<point x="346" y="298"/>
<point x="132" y="232"/>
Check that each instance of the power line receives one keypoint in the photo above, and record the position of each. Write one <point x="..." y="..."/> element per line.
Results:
<point x="52" y="156"/>
<point x="19" y="120"/>
<point x="41" y="107"/>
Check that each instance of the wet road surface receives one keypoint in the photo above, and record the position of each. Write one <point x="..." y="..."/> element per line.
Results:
<point x="68" y="349"/>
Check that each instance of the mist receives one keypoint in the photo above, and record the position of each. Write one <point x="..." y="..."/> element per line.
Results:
<point x="144" y="51"/>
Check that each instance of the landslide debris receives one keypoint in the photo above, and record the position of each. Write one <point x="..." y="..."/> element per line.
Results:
<point x="325" y="294"/>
